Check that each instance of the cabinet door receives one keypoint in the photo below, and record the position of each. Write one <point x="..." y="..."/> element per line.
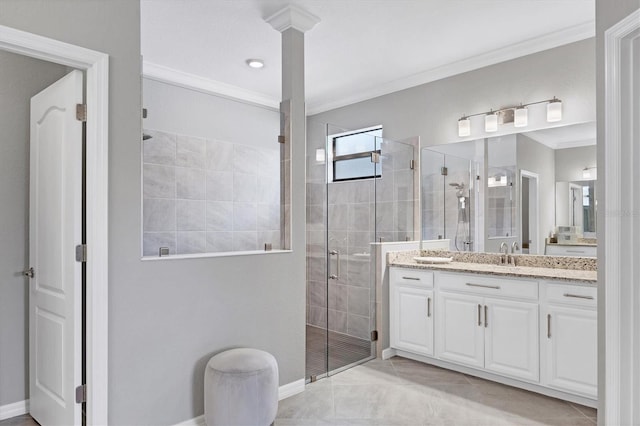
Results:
<point x="511" y="339"/>
<point x="460" y="330"/>
<point x="571" y="350"/>
<point x="412" y="319"/>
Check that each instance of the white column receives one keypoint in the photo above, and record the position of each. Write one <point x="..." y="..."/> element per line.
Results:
<point x="293" y="22"/>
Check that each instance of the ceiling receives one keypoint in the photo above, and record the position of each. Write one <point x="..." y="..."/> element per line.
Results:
<point x="360" y="48"/>
<point x="573" y="136"/>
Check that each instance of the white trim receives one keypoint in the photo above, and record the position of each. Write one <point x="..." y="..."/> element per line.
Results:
<point x="389" y="353"/>
<point x="290" y="389"/>
<point x="96" y="65"/>
<point x="284" y="391"/>
<point x="536" y="176"/>
<point x="15" y="409"/>
<point x="619" y="339"/>
<point x="196" y="421"/>
<point x="292" y="16"/>
<point x="527" y="47"/>
<point x="174" y="77"/>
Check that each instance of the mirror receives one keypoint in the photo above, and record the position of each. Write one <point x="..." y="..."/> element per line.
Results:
<point x="519" y="189"/>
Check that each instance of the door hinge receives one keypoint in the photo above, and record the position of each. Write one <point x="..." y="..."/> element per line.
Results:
<point x="81" y="394"/>
<point x="81" y="112"/>
<point x="375" y="157"/>
<point x="412" y="164"/>
<point x="444" y="171"/>
<point x="374" y="336"/>
<point x="81" y="253"/>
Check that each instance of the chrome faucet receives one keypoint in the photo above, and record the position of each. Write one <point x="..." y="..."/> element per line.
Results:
<point x="504" y="249"/>
<point x="514" y="247"/>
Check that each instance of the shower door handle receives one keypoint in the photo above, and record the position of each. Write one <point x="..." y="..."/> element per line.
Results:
<point x="335" y="276"/>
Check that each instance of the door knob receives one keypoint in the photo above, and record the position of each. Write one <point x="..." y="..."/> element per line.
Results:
<point x="29" y="273"/>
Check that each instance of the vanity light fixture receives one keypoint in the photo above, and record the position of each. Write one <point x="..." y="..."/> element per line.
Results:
<point x="255" y="63"/>
<point x="491" y="122"/>
<point x="518" y="115"/>
<point x="464" y="127"/>
<point x="554" y="110"/>
<point x="589" y="173"/>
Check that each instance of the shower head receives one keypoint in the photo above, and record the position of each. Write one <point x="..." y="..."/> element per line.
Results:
<point x="146" y="137"/>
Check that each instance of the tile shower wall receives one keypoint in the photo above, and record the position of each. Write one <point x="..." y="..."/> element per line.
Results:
<point x="439" y="200"/>
<point x="203" y="196"/>
<point x="352" y="214"/>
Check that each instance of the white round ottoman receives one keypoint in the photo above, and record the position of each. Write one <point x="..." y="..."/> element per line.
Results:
<point x="241" y="388"/>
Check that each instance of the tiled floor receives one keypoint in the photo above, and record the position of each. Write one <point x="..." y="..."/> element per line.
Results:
<point x="24" y="420"/>
<point x="401" y="392"/>
<point x="404" y="392"/>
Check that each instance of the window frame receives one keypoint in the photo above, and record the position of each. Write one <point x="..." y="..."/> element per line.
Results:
<point x="363" y="154"/>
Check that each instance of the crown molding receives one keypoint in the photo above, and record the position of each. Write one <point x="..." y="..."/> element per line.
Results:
<point x="204" y="85"/>
<point x="292" y="16"/>
<point x="190" y="81"/>
<point x="513" y="51"/>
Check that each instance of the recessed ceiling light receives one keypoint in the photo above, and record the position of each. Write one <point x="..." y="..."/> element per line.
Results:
<point x="255" y="63"/>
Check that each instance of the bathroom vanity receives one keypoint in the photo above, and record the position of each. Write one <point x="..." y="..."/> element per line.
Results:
<point x="532" y="326"/>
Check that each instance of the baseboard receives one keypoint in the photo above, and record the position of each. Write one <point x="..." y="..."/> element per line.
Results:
<point x="284" y="391"/>
<point x="290" y="389"/>
<point x="198" y="421"/>
<point x="388" y="353"/>
<point x="12" y="410"/>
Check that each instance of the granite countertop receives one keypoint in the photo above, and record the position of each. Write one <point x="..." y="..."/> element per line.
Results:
<point x="528" y="266"/>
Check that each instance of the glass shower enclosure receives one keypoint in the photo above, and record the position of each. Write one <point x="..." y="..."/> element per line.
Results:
<point x="364" y="196"/>
<point x="448" y="199"/>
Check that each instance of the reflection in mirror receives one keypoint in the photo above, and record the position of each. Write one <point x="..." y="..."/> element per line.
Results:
<point x="519" y="191"/>
<point x="575" y="205"/>
<point x="501" y="172"/>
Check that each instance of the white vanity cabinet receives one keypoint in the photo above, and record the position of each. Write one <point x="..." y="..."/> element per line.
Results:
<point x="534" y="333"/>
<point x="489" y="323"/>
<point x="569" y="342"/>
<point x="411" y="310"/>
<point x="570" y="250"/>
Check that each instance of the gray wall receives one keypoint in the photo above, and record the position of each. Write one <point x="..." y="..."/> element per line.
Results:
<point x="431" y="110"/>
<point x="570" y="162"/>
<point x="608" y="13"/>
<point x="20" y="79"/>
<point x="167" y="318"/>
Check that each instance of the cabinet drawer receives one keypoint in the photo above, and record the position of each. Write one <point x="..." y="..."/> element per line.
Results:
<point x="489" y="286"/>
<point x="572" y="295"/>
<point x="414" y="277"/>
<point x="567" y="250"/>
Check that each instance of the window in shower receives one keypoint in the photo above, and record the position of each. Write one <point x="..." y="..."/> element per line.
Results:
<point x="352" y="154"/>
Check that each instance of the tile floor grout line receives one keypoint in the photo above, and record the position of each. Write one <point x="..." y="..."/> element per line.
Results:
<point x="577" y="409"/>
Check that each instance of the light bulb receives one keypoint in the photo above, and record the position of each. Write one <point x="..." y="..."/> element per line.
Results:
<point x="464" y="127"/>
<point x="520" y="117"/>
<point x="554" y="110"/>
<point x="255" y="63"/>
<point x="491" y="122"/>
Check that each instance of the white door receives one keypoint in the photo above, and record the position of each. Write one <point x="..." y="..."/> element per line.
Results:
<point x="460" y="330"/>
<point x="511" y="339"/>
<point x="572" y="350"/>
<point x="55" y="227"/>
<point x="529" y="212"/>
<point x="412" y="319"/>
